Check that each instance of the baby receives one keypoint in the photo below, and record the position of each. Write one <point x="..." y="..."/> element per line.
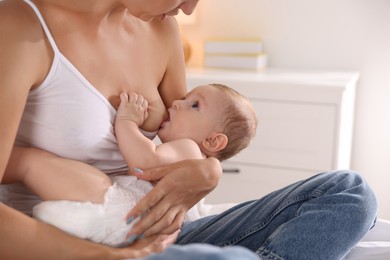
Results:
<point x="211" y="120"/>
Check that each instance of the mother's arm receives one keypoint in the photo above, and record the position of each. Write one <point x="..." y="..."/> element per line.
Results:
<point x="51" y="177"/>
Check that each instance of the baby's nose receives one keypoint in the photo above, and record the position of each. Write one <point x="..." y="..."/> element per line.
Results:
<point x="176" y="104"/>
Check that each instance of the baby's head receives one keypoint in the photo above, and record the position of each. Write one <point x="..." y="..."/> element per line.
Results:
<point x="238" y="121"/>
<point x="219" y="119"/>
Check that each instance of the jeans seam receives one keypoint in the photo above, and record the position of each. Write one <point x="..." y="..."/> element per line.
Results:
<point x="263" y="251"/>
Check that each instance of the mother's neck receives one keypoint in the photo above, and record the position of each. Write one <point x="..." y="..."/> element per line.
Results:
<point x="88" y="8"/>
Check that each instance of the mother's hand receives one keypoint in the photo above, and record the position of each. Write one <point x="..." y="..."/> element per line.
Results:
<point x="180" y="186"/>
<point x="144" y="247"/>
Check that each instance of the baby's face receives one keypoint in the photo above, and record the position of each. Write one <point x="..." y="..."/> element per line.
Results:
<point x="195" y="117"/>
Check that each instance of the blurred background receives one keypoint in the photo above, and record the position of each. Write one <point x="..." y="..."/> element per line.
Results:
<point x="352" y="35"/>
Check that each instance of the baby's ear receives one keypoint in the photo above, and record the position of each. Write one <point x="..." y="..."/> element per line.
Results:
<point x="215" y="142"/>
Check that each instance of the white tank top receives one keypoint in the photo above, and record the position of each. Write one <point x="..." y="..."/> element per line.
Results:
<point x="67" y="116"/>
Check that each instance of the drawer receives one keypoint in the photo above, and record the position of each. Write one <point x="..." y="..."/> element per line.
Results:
<point x="294" y="135"/>
<point x="251" y="182"/>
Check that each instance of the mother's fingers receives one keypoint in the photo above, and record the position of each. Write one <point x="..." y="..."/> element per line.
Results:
<point x="151" y="218"/>
<point x="146" y="246"/>
<point x="153" y="208"/>
<point x="180" y="187"/>
<point x="177" y="223"/>
<point x="157" y="222"/>
<point x="157" y="173"/>
<point x="146" y="203"/>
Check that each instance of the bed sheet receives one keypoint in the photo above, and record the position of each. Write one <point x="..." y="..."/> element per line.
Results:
<point x="375" y="245"/>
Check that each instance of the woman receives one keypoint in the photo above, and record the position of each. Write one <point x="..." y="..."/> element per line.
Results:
<point x="61" y="77"/>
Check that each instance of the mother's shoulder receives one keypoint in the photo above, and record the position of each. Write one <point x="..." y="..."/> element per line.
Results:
<point x="23" y="47"/>
<point x="19" y="20"/>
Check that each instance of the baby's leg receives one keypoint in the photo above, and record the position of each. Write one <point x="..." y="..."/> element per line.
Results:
<point x="55" y="178"/>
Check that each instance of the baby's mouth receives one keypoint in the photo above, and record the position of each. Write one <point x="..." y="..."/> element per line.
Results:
<point x="163" y="17"/>
<point x="166" y="121"/>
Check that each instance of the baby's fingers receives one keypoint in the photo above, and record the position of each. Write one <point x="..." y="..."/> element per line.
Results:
<point x="124" y="97"/>
<point x="144" y="104"/>
<point x="140" y="100"/>
<point x="133" y="97"/>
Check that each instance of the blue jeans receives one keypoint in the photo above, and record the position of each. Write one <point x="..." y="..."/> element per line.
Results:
<point x="322" y="217"/>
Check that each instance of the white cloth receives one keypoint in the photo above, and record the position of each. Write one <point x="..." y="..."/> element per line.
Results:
<point x="102" y="223"/>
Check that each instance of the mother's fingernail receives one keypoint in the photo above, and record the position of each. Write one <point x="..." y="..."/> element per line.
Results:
<point x="129" y="220"/>
<point x="138" y="170"/>
<point x="131" y="238"/>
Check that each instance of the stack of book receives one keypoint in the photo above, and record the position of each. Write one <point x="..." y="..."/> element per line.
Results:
<point x="235" y="54"/>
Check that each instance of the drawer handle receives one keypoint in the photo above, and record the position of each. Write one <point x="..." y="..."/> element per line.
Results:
<point x="231" y="170"/>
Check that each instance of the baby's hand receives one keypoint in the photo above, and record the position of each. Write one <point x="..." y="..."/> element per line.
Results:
<point x="133" y="107"/>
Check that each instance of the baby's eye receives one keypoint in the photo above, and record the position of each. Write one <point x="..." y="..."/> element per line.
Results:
<point x="195" y="105"/>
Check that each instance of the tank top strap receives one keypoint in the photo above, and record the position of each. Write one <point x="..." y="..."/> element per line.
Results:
<point x="44" y="26"/>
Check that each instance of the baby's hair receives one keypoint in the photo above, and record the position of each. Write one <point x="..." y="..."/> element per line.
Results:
<point x="239" y="121"/>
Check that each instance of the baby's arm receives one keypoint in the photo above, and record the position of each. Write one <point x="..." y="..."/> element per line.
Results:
<point x="138" y="150"/>
<point x="54" y="178"/>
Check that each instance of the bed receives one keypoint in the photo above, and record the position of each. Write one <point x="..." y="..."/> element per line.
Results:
<point x="374" y="246"/>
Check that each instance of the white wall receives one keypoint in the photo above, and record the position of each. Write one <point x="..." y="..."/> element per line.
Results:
<point x="321" y="34"/>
